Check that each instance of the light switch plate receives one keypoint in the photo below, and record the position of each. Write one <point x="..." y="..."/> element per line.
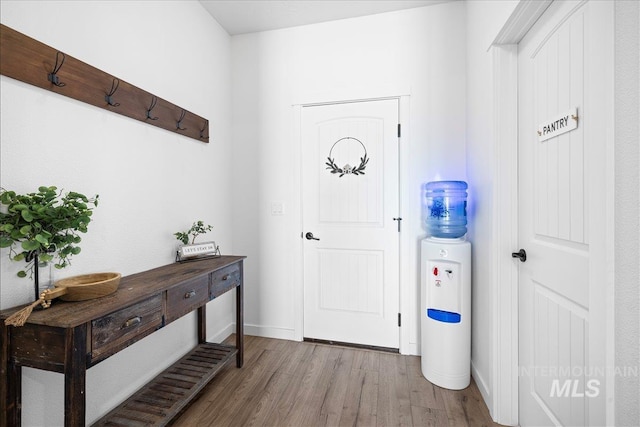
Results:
<point x="277" y="208"/>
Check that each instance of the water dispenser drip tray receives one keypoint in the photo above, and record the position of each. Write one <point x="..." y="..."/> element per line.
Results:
<point x="443" y="316"/>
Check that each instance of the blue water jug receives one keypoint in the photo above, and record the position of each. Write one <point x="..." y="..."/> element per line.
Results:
<point x="446" y="209"/>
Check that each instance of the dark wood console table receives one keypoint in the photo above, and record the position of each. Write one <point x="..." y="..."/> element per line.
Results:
<point x="71" y="337"/>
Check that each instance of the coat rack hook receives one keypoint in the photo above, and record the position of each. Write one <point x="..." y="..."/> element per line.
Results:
<point x="53" y="75"/>
<point x="206" y="125"/>
<point x="154" y="101"/>
<point x="179" y="122"/>
<point x="114" y="87"/>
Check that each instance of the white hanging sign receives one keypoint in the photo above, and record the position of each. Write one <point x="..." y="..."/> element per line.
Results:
<point x="558" y="125"/>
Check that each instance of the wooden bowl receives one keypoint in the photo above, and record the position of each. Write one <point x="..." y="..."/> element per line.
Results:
<point x="88" y="286"/>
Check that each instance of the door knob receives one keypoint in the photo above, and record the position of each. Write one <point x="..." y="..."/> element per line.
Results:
<point x="522" y="254"/>
<point x="309" y="236"/>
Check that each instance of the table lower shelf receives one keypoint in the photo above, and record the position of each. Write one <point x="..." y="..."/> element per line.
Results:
<point x="166" y="395"/>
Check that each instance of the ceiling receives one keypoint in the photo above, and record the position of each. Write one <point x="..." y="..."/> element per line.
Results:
<point x="250" y="16"/>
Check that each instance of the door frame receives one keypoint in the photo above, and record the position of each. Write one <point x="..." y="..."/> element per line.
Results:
<point x="504" y="400"/>
<point x="405" y="279"/>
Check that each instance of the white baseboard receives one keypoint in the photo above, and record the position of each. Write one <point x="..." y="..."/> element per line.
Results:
<point x="254" y="330"/>
<point x="411" y="349"/>
<point x="222" y="334"/>
<point x="482" y="386"/>
<point x="270" y="332"/>
<point x="282" y="334"/>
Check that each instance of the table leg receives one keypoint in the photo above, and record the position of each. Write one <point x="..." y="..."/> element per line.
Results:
<point x="10" y="384"/>
<point x="75" y="370"/>
<point x="202" y="324"/>
<point x="11" y="414"/>
<point x="240" y="320"/>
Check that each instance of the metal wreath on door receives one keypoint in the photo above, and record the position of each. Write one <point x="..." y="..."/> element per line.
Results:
<point x="350" y="200"/>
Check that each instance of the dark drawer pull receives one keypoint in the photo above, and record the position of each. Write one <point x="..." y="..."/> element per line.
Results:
<point x="190" y="294"/>
<point x="131" y="322"/>
<point x="225" y="277"/>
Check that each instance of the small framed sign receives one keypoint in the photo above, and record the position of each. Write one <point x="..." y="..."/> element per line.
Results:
<point x="197" y="251"/>
<point x="558" y="125"/>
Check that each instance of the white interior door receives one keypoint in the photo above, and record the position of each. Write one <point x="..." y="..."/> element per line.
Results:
<point x="350" y="199"/>
<point x="561" y="322"/>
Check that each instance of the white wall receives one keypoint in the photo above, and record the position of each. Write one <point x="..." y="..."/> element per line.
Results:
<point x="178" y="52"/>
<point x="417" y="52"/>
<point x="627" y="210"/>
<point x="484" y="21"/>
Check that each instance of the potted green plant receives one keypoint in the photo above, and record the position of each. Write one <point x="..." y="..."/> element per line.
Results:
<point x="196" y="229"/>
<point x="189" y="250"/>
<point x="43" y="227"/>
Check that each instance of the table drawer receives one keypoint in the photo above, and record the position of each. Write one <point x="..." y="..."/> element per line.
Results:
<point x="118" y="330"/>
<point x="187" y="297"/>
<point x="224" y="279"/>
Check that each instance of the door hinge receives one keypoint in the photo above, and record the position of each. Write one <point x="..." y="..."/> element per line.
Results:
<point x="399" y="319"/>
<point x="398" y="219"/>
<point x="399" y="131"/>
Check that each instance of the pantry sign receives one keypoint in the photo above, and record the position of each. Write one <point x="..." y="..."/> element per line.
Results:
<point x="558" y="125"/>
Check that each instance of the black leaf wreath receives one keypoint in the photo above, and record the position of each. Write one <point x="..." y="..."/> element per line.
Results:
<point x="347" y="169"/>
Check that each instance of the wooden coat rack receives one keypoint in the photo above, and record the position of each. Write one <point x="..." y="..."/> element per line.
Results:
<point x="33" y="62"/>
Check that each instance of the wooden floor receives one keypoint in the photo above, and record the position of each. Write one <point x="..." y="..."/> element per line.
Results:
<point x="287" y="383"/>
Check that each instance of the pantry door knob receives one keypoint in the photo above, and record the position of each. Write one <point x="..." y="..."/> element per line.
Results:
<point x="521" y="254"/>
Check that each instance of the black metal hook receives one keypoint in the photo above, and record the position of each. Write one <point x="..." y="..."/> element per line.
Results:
<point x="206" y="125"/>
<point x="53" y="75"/>
<point x="154" y="101"/>
<point x="179" y="122"/>
<point x="114" y="87"/>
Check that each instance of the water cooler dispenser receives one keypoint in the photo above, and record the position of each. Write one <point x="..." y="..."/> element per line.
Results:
<point x="446" y="287"/>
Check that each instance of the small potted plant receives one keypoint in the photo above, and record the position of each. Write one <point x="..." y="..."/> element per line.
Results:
<point x="189" y="249"/>
<point x="196" y="229"/>
<point x="43" y="227"/>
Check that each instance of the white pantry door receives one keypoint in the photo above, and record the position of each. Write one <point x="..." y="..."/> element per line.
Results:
<point x="562" y="191"/>
<point x="350" y="199"/>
